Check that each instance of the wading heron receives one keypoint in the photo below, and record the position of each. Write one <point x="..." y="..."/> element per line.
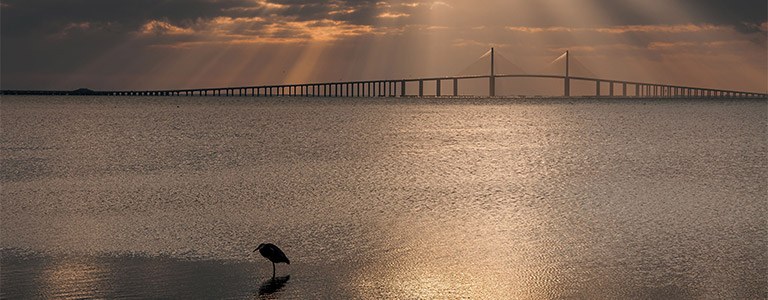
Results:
<point x="274" y="254"/>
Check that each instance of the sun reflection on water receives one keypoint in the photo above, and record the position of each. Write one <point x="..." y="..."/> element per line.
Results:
<point x="73" y="279"/>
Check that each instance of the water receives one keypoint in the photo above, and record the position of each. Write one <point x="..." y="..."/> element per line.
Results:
<point x="383" y="198"/>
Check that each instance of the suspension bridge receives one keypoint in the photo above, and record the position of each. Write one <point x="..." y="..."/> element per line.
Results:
<point x="400" y="88"/>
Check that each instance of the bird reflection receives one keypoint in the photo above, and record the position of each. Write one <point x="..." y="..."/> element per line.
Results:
<point x="273" y="285"/>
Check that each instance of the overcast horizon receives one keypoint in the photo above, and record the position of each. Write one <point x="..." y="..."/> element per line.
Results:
<point x="174" y="44"/>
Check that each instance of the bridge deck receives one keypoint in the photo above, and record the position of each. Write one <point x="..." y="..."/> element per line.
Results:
<point x="397" y="88"/>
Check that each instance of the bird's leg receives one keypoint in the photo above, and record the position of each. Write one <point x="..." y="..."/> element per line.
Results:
<point x="273" y="270"/>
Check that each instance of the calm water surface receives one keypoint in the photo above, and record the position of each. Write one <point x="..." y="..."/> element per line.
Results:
<point x="484" y="199"/>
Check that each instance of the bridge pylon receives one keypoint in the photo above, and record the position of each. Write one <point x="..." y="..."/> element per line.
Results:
<point x="492" y="79"/>
<point x="567" y="80"/>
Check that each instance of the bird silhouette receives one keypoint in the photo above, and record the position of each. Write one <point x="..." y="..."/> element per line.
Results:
<point x="274" y="254"/>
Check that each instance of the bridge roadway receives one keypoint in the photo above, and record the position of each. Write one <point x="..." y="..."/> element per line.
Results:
<point x="397" y="88"/>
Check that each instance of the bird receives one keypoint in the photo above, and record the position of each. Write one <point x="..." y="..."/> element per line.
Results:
<point x="274" y="254"/>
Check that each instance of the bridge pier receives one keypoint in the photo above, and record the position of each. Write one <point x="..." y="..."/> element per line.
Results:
<point x="610" y="88"/>
<point x="393" y="86"/>
<point x="383" y="87"/>
<point x="437" y="87"/>
<point x="597" y="88"/>
<point x="421" y="88"/>
<point x="624" y="89"/>
<point x="455" y="87"/>
<point x="492" y="86"/>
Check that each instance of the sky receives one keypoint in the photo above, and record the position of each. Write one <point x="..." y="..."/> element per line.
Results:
<point x="175" y="44"/>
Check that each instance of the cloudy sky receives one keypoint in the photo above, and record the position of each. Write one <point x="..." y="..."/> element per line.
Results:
<point x="168" y="44"/>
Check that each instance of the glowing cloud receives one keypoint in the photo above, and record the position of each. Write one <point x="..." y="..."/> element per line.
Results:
<point x="389" y="15"/>
<point x="160" y="27"/>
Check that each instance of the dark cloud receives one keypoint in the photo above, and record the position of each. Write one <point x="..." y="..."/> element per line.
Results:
<point x="717" y="12"/>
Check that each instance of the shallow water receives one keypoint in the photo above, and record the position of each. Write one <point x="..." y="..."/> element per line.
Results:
<point x="383" y="198"/>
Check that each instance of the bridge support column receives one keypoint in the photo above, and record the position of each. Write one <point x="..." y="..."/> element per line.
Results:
<point x="624" y="89"/>
<point x="421" y="88"/>
<point x="402" y="88"/>
<point x="610" y="87"/>
<point x="492" y="86"/>
<point x="455" y="87"/>
<point x="597" y="88"/>
<point x="437" y="87"/>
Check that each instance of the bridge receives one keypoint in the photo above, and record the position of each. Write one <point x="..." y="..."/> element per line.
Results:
<point x="398" y="88"/>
